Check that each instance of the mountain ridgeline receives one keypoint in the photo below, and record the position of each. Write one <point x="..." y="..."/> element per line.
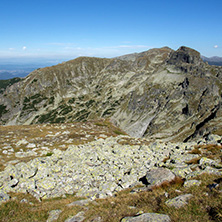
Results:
<point x="157" y="94"/>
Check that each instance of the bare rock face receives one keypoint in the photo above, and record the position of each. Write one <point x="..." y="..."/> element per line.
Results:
<point x="159" y="94"/>
<point x="185" y="55"/>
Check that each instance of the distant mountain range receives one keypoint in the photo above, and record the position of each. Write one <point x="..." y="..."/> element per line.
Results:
<point x="215" y="60"/>
<point x="11" y="70"/>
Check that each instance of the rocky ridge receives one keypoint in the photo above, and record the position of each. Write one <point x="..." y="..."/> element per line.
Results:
<point x="160" y="94"/>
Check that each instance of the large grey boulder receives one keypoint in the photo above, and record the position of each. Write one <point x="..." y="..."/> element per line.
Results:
<point x="148" y="217"/>
<point x="157" y="176"/>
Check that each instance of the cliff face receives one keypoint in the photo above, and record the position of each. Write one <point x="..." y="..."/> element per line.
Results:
<point x="159" y="93"/>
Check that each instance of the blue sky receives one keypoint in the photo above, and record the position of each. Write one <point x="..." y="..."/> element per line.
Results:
<point x="70" y="28"/>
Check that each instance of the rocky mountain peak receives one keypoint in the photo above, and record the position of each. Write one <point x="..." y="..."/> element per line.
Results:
<point x="185" y="55"/>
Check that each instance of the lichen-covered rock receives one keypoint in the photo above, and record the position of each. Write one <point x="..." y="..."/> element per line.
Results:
<point x="190" y="183"/>
<point x="155" y="177"/>
<point x="211" y="170"/>
<point x="3" y="196"/>
<point x="79" y="203"/>
<point x="179" y="201"/>
<point x="77" y="218"/>
<point x="204" y="161"/>
<point x="54" y="215"/>
<point x="46" y="184"/>
<point x="148" y="217"/>
<point x="182" y="171"/>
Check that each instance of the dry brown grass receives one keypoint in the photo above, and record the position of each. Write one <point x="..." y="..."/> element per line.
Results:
<point x="211" y="151"/>
<point x="14" y="210"/>
<point x="193" y="161"/>
<point x="165" y="159"/>
<point x="52" y="136"/>
<point x="195" y="151"/>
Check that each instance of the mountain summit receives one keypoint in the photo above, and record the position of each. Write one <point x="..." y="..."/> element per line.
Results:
<point x="159" y="93"/>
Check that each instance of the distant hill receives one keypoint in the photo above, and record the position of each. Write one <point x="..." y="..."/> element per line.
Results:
<point x="12" y="70"/>
<point x="215" y="60"/>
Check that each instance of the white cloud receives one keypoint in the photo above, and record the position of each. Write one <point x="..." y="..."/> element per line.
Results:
<point x="216" y="46"/>
<point x="24" y="48"/>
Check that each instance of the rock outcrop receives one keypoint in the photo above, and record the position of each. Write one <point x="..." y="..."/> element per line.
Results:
<point x="159" y="94"/>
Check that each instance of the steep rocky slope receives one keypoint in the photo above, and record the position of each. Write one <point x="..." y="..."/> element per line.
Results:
<point x="160" y="93"/>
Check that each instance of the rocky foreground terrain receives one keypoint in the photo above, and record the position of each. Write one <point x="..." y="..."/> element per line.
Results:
<point x="133" y="138"/>
<point x="95" y="160"/>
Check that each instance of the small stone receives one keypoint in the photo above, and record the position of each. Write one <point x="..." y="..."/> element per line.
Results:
<point x="53" y="215"/>
<point x="46" y="184"/>
<point x="24" y="201"/>
<point x="190" y="183"/>
<point x="3" y="197"/>
<point x="148" y="217"/>
<point x="97" y="219"/>
<point x="21" y="142"/>
<point x="182" y="171"/>
<point x="79" y="203"/>
<point x="31" y="145"/>
<point x="179" y="201"/>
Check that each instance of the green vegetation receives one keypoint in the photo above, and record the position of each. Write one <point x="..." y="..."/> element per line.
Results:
<point x="71" y="101"/>
<point x="59" y="120"/>
<point x="5" y="83"/>
<point x="30" y="102"/>
<point x="108" y="112"/>
<point x="81" y="115"/>
<point x="3" y="110"/>
<point x="51" y="100"/>
<point x="64" y="109"/>
<point x="90" y="103"/>
<point x="49" y="117"/>
<point x="119" y="132"/>
<point x="34" y="80"/>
